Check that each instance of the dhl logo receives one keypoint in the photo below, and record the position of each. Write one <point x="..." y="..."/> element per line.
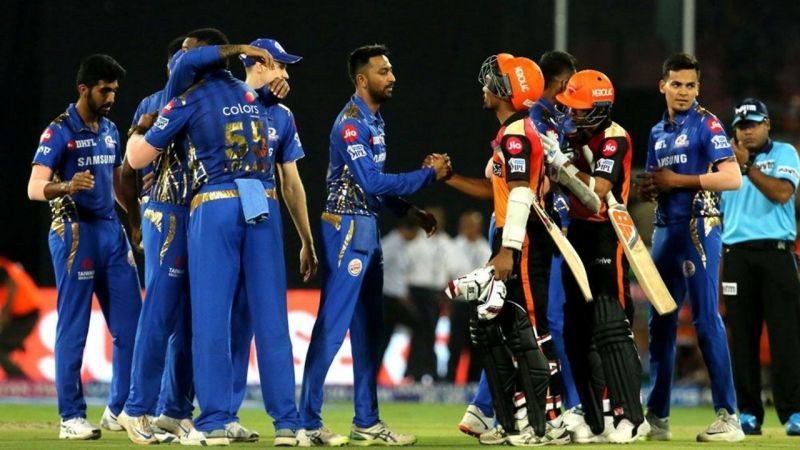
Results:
<point x="625" y="224"/>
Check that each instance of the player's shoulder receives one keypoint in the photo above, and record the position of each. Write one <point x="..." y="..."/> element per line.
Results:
<point x="281" y="110"/>
<point x="614" y="130"/>
<point x="784" y="149"/>
<point x="707" y="118"/>
<point x="58" y="126"/>
<point x="517" y="127"/>
<point x="351" y="111"/>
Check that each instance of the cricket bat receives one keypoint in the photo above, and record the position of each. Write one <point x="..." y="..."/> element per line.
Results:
<point x="565" y="247"/>
<point x="639" y="258"/>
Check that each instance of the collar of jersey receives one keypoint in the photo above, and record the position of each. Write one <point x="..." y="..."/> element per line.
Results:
<point x="519" y="115"/>
<point x="766" y="148"/>
<point x="78" y="124"/>
<point x="546" y="105"/>
<point x="680" y="118"/>
<point x="373" y="118"/>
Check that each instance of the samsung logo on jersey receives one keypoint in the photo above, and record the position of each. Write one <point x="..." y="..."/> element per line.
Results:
<point x="96" y="160"/>
<point x="672" y="159"/>
<point x="240" y="109"/>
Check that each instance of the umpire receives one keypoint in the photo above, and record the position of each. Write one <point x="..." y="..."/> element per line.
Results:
<point x="759" y="275"/>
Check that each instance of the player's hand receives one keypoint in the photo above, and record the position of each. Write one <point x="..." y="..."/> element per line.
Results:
<point x="259" y="54"/>
<point x="553" y="155"/>
<point x="645" y="188"/>
<point x="424" y="220"/>
<point x="136" y="238"/>
<point x="742" y="154"/>
<point x="279" y="88"/>
<point x="503" y="264"/>
<point x="147" y="181"/>
<point x="146" y="120"/>
<point x="81" y="181"/>
<point x="308" y="262"/>
<point x="662" y="178"/>
<point x="441" y="164"/>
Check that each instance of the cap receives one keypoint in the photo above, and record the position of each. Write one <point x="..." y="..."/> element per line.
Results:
<point x="275" y="49"/>
<point x="750" y="109"/>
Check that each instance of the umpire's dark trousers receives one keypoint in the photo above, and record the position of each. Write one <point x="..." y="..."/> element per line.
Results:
<point x="760" y="283"/>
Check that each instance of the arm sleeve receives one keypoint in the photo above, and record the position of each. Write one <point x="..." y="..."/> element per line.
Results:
<point x="172" y="119"/>
<point x="398" y="205"/>
<point x="140" y="110"/>
<point x="187" y="68"/>
<point x="652" y="162"/>
<point x="351" y="141"/>
<point x="291" y="149"/>
<point x="612" y="153"/>
<point x="52" y="145"/>
<point x="787" y="165"/>
<point x="714" y="140"/>
<point x="517" y="153"/>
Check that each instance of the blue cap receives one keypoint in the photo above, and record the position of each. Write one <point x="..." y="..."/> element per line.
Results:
<point x="275" y="49"/>
<point x="750" y="109"/>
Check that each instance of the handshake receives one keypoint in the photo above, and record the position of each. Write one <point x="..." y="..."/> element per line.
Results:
<point x="440" y="163"/>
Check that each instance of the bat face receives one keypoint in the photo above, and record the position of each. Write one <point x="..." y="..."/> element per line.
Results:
<point x="628" y="233"/>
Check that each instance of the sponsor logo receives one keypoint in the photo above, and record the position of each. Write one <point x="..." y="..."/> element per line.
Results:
<point x="744" y="109"/>
<point x="523" y="83"/>
<point x="71" y="144"/>
<point x="161" y="122"/>
<point x="168" y="107"/>
<point x="497" y="169"/>
<point x="349" y="133"/>
<point x="688" y="269"/>
<point x="176" y="273"/>
<point x="682" y="141"/>
<point x="514" y="145"/>
<point x="661" y="143"/>
<point x="788" y="171"/>
<point x="249" y="97"/>
<point x="354" y="267"/>
<point x="110" y="142"/>
<point x="602" y="92"/>
<point x="95" y="160"/>
<point x="377" y="140"/>
<point x="729" y="288"/>
<point x="765" y="166"/>
<point x="379" y="158"/>
<point x="609" y="148"/>
<point x="672" y="159"/>
<point x="239" y="109"/>
<point x="85" y="143"/>
<point x="86" y="271"/>
<point x="46" y="135"/>
<point x="604" y="165"/>
<point x="356" y="151"/>
<point x="720" y="141"/>
<point x="714" y="125"/>
<point x="625" y="225"/>
<point x="517" y="165"/>
<point x="602" y="261"/>
<point x="43" y="149"/>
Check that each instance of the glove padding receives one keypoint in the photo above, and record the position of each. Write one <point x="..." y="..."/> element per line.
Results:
<point x="554" y="157"/>
<point x="494" y="301"/>
<point x="479" y="286"/>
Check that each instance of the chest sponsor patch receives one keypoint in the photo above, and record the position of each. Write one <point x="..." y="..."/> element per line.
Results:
<point x="514" y="145"/>
<point x="604" y="165"/>
<point x="378" y="140"/>
<point x="517" y="165"/>
<point x="609" y="148"/>
<point x="660" y="144"/>
<point x="720" y="141"/>
<point x="356" y="151"/>
<point x="672" y="159"/>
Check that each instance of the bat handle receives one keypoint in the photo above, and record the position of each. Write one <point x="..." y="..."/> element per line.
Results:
<point x="610" y="199"/>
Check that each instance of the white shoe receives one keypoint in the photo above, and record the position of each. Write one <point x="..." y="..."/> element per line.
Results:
<point x="178" y="427"/>
<point x="379" y="434"/>
<point x="659" y="428"/>
<point x="109" y="421"/>
<point x="725" y="428"/>
<point x="573" y="418"/>
<point x="238" y="433"/>
<point x="138" y="428"/>
<point x="624" y="433"/>
<point x="205" y="439"/>
<point x="556" y="435"/>
<point x="163" y="436"/>
<point x="526" y="438"/>
<point x="582" y="433"/>
<point x="495" y="436"/>
<point x="324" y="437"/>
<point x="643" y="430"/>
<point x="475" y="422"/>
<point x="78" y="428"/>
<point x="285" y="437"/>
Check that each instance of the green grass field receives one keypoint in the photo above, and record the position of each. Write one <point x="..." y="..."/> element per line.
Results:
<point x="36" y="426"/>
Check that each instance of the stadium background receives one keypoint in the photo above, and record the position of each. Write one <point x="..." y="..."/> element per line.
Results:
<point x="437" y="47"/>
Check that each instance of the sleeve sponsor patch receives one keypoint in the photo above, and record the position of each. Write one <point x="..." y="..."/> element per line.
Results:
<point x="517" y="165"/>
<point x="514" y="145"/>
<point x="168" y="107"/>
<point x="720" y="141"/>
<point x="349" y="133"/>
<point x="604" y="165"/>
<point x="46" y="135"/>
<point x="161" y="122"/>
<point x="609" y="148"/>
<point x="714" y="126"/>
<point x="787" y="170"/>
<point x="356" y="151"/>
<point x="43" y="149"/>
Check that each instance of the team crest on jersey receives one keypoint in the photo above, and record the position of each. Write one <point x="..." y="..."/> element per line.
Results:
<point x="46" y="135"/>
<point x="354" y="267"/>
<point x="688" y="269"/>
<point x="714" y="125"/>
<point x="349" y="133"/>
<point x="110" y="142"/>
<point x="609" y="148"/>
<point x="682" y="141"/>
<point x="514" y="145"/>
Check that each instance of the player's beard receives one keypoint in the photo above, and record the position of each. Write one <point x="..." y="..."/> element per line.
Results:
<point x="98" y="109"/>
<point x="380" y="95"/>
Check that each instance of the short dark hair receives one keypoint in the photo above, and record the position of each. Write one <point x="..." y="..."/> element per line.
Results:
<point x="360" y="58"/>
<point x="680" y="61"/>
<point x="174" y="45"/>
<point x="99" y="67"/>
<point x="555" y="63"/>
<point x="210" y="36"/>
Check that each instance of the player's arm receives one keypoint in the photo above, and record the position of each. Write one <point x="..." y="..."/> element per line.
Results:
<point x="294" y="195"/>
<point x="150" y="137"/>
<point x="193" y="62"/>
<point x="48" y="155"/>
<point x="352" y="141"/>
<point x="480" y="188"/>
<point x="781" y="183"/>
<point x="582" y="185"/>
<point x="402" y="207"/>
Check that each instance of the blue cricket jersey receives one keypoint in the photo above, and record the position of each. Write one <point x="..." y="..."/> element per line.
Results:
<point x="690" y="145"/>
<point x="748" y="214"/>
<point x="283" y="139"/>
<point x="223" y="123"/>
<point x="547" y="119"/>
<point x="356" y="183"/>
<point x="68" y="146"/>
<point x="152" y="103"/>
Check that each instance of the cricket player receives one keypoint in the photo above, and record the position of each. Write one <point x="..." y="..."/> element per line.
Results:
<point x="231" y="176"/>
<point x="598" y="337"/>
<point x="77" y="169"/>
<point x="689" y="160"/>
<point x="351" y="251"/>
